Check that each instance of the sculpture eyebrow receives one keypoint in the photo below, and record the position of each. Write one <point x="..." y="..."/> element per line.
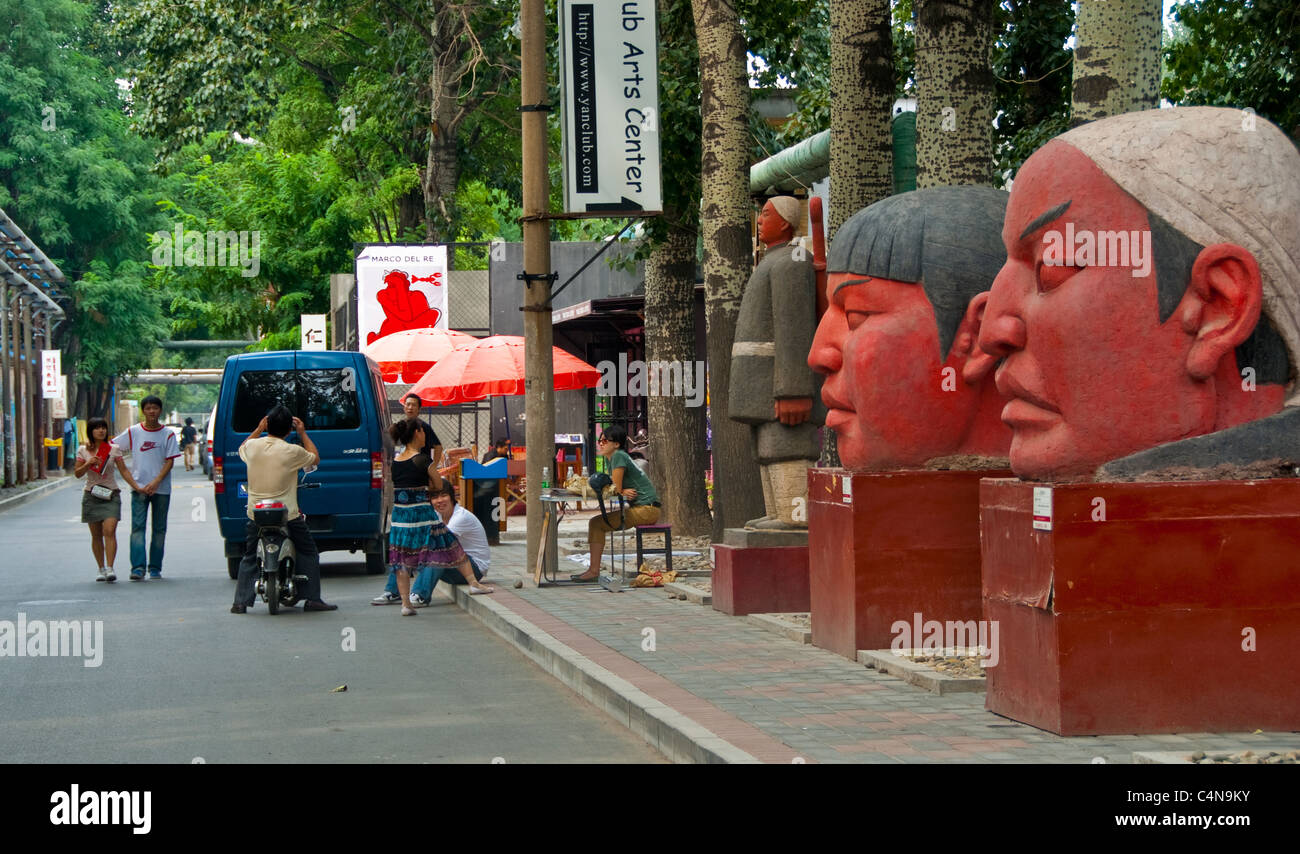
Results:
<point x="1045" y="218"/>
<point x="850" y="282"/>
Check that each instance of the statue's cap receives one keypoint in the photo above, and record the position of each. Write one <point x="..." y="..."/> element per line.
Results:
<point x="788" y="208"/>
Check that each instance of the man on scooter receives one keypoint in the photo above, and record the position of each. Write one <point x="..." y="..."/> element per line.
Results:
<point x="273" y="466"/>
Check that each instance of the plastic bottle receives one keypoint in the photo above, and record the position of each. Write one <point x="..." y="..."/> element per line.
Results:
<point x="546" y="478"/>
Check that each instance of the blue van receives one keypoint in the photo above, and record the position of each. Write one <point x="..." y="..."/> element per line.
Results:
<point x="339" y="395"/>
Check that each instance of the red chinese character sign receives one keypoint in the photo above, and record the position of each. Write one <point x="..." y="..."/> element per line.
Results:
<point x="400" y="287"/>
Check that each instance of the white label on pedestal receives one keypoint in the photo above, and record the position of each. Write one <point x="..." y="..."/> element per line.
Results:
<point x="1042" y="508"/>
<point x="847" y="485"/>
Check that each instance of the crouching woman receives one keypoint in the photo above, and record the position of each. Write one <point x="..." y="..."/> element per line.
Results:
<point x="417" y="537"/>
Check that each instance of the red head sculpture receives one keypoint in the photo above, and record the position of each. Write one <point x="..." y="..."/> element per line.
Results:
<point x="1150" y="289"/>
<point x="907" y="281"/>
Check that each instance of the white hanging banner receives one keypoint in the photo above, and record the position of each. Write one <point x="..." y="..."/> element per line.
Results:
<point x="400" y="286"/>
<point x="51" y="370"/>
<point x="313" y="331"/>
<point x="609" y="81"/>
<point x="59" y="407"/>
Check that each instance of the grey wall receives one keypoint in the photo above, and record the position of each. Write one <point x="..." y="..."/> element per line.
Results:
<point x="596" y="282"/>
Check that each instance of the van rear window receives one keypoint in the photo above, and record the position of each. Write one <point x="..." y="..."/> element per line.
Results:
<point x="323" y="399"/>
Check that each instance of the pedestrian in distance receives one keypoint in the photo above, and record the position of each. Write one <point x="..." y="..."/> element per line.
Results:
<point x="189" y="443"/>
<point x="101" y="501"/>
<point x="273" y="466"/>
<point x="500" y="448"/>
<point x="417" y="537"/>
<point x="629" y="482"/>
<point x="432" y="444"/>
<point x="153" y="449"/>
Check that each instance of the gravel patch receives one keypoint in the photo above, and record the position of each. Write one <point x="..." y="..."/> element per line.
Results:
<point x="1246" y="757"/>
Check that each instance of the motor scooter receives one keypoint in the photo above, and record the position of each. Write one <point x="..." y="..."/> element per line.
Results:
<point x="277" y="580"/>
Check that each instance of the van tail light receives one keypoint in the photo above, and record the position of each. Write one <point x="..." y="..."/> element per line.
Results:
<point x="376" y="471"/>
<point x="218" y="477"/>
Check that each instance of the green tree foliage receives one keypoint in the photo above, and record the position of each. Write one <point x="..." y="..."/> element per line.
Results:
<point x="1032" y="67"/>
<point x="399" y="88"/>
<point x="1236" y="53"/>
<point x="71" y="173"/>
<point x="78" y="182"/>
<point x="116" y="326"/>
<point x="299" y="208"/>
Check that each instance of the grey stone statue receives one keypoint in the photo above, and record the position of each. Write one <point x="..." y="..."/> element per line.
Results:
<point x="772" y="388"/>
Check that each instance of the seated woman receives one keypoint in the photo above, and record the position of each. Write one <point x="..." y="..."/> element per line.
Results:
<point x="418" y="538"/>
<point x="636" y="489"/>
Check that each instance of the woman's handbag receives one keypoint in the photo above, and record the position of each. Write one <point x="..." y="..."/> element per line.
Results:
<point x="103" y="493"/>
<point x="598" y="482"/>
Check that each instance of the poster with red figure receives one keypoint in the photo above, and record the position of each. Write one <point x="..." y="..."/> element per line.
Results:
<point x="400" y="287"/>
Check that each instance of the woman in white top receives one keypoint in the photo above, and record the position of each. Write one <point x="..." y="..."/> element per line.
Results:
<point x="101" y="501"/>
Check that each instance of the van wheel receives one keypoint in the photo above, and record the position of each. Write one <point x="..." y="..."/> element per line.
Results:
<point x="232" y="566"/>
<point x="378" y="562"/>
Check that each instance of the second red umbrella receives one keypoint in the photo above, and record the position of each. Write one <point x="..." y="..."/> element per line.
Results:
<point x="495" y="366"/>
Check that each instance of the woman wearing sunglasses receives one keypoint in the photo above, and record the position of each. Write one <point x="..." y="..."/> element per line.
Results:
<point x="642" y="501"/>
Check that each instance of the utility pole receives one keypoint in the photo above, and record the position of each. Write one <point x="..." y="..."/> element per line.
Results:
<point x="539" y="372"/>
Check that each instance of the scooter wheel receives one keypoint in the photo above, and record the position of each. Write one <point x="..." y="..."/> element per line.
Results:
<point x="273" y="592"/>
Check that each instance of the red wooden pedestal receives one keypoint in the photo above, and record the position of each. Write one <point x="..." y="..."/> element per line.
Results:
<point x="760" y="580"/>
<point x="907" y="544"/>
<point x="1138" y="611"/>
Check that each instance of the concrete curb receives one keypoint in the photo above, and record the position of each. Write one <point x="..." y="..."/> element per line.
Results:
<point x="773" y="623"/>
<point x="31" y="495"/>
<point x="673" y="734"/>
<point x="920" y="675"/>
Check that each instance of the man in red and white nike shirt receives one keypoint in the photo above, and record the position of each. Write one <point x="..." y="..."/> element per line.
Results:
<point x="152" y="450"/>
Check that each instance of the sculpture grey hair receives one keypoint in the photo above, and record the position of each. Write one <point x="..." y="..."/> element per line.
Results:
<point x="947" y="239"/>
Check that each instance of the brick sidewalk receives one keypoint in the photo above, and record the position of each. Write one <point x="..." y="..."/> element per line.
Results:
<point x="778" y="700"/>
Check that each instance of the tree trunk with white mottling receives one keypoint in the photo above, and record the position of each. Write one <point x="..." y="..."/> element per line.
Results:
<point x="862" y="96"/>
<point x="954" y="83"/>
<point x="724" y="225"/>
<point x="1116" y="58"/>
<point x="676" y="429"/>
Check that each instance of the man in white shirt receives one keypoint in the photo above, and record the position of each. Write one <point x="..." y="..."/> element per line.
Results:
<point x="273" y="466"/>
<point x="152" y="449"/>
<point x="473" y="539"/>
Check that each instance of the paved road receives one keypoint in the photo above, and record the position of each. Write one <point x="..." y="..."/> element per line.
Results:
<point x="182" y="678"/>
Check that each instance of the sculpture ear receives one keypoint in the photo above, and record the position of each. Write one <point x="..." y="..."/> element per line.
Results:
<point x="1221" y="306"/>
<point x="976" y="363"/>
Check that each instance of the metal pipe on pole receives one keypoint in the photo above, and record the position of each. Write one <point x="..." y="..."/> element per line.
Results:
<point x="38" y="395"/>
<point x="539" y="372"/>
<point x="27" y="464"/>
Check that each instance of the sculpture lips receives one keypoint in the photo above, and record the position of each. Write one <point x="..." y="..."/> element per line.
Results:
<point x="839" y="412"/>
<point x="1025" y="408"/>
<point x="837" y="418"/>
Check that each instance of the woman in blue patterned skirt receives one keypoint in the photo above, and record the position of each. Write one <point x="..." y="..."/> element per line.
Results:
<point x="417" y="537"/>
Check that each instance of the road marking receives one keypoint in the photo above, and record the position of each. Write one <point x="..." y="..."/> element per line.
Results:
<point x="53" y="602"/>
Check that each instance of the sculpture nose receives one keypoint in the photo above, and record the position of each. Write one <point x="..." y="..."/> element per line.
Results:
<point x="1003" y="330"/>
<point x="826" y="357"/>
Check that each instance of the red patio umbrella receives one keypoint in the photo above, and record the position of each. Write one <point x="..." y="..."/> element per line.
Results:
<point x="410" y="354"/>
<point x="495" y="366"/>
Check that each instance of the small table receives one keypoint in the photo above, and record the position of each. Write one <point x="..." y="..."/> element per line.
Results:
<point x="552" y="500"/>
